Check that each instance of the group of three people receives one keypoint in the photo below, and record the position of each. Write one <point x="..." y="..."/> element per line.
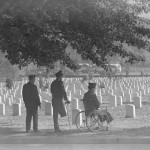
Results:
<point x="32" y="101"/>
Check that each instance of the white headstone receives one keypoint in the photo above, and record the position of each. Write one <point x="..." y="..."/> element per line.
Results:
<point x="2" y="109"/>
<point x="75" y="103"/>
<point x="69" y="95"/>
<point x="128" y="98"/>
<point x="137" y="102"/>
<point x="113" y="100"/>
<point x="100" y="99"/>
<point x="16" y="109"/>
<point x="40" y="98"/>
<point x="118" y="93"/>
<point x="11" y="97"/>
<point x="74" y="114"/>
<point x="119" y="100"/>
<point x="45" y="95"/>
<point x="110" y="91"/>
<point x="19" y="101"/>
<point x="135" y="94"/>
<point x="48" y="108"/>
<point x="8" y="101"/>
<point x="130" y="111"/>
<point x="79" y="119"/>
<point x="78" y="95"/>
<point x="43" y="104"/>
<point x="3" y="98"/>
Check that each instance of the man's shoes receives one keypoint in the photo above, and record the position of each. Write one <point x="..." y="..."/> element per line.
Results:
<point x="36" y="130"/>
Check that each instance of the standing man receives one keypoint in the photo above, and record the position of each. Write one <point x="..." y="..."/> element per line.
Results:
<point x="58" y="94"/>
<point x="32" y="102"/>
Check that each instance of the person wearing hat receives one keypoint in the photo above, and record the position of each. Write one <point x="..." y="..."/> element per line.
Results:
<point x="90" y="100"/>
<point x="32" y="102"/>
<point x="58" y="95"/>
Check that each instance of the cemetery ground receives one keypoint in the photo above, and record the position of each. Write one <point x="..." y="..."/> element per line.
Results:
<point x="123" y="130"/>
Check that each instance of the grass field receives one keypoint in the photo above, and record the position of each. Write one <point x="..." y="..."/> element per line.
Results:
<point x="120" y="126"/>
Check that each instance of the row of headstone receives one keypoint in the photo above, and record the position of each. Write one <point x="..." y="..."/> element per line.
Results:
<point x="130" y="110"/>
<point x="16" y="109"/>
<point x="130" y="113"/>
<point x="115" y="100"/>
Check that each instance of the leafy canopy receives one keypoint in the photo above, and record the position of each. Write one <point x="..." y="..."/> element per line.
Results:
<point x="40" y="30"/>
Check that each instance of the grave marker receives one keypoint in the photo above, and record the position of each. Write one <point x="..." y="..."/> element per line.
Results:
<point x="43" y="104"/>
<point x="119" y="100"/>
<point x="74" y="114"/>
<point x="130" y="111"/>
<point x="2" y="109"/>
<point x="16" y="109"/>
<point x="137" y="102"/>
<point x="75" y="103"/>
<point x="48" y="108"/>
<point x="113" y="100"/>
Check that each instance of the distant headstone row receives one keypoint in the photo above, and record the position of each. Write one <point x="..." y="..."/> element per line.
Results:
<point x="132" y="91"/>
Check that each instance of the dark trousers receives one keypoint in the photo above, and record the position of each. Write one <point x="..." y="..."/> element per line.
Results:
<point x="58" y="108"/>
<point x="32" y="112"/>
<point x="55" y="118"/>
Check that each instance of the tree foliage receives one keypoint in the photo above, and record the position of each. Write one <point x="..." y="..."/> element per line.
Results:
<point x="6" y="69"/>
<point x="39" y="31"/>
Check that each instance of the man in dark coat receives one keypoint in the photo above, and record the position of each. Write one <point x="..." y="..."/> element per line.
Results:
<point x="58" y="95"/>
<point x="90" y="100"/>
<point x="32" y="102"/>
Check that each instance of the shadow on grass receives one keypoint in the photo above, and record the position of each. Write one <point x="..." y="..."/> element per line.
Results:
<point x="9" y="131"/>
<point x="46" y="132"/>
<point x="133" y="132"/>
<point x="5" y="131"/>
<point x="140" y="132"/>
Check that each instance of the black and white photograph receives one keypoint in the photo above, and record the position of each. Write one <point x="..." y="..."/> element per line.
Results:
<point x="75" y="74"/>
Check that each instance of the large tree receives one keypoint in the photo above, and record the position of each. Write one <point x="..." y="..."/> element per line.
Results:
<point x="39" y="31"/>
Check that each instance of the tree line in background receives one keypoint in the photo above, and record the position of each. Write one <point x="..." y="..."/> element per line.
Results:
<point x="40" y="31"/>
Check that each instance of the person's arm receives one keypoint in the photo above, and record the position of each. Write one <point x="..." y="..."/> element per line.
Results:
<point x="52" y="88"/>
<point x="96" y="102"/>
<point x="37" y="97"/>
<point x="64" y="93"/>
<point x="24" y="95"/>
